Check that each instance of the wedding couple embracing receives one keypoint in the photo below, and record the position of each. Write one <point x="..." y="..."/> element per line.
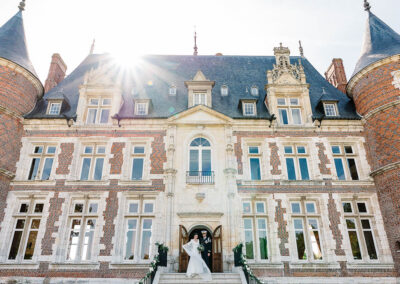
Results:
<point x="199" y="250"/>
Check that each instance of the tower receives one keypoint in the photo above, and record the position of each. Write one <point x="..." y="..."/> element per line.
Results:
<point x="375" y="88"/>
<point x="19" y="90"/>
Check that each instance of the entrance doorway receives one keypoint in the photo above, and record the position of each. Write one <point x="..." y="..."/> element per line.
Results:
<point x="216" y="255"/>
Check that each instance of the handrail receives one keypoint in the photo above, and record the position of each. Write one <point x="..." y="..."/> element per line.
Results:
<point x="200" y="177"/>
<point x="240" y="260"/>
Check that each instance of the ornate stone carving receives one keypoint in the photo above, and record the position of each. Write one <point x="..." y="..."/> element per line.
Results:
<point x="396" y="79"/>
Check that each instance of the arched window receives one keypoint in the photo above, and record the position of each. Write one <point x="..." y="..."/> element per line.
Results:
<point x="200" y="157"/>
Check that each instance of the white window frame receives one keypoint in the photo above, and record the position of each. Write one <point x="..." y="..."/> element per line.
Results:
<point x="199" y="98"/>
<point x="43" y="156"/>
<point x="99" y="107"/>
<point x="305" y="217"/>
<point x="254" y="91"/>
<point x="94" y="156"/>
<point x="54" y="108"/>
<point x="141" y="108"/>
<point x="200" y="148"/>
<point x="83" y="216"/>
<point x="140" y="216"/>
<point x="296" y="160"/>
<point x="258" y="156"/>
<point x="27" y="217"/>
<point x="172" y="90"/>
<point x="333" y="112"/>
<point x="289" y="107"/>
<point x="358" y="217"/>
<point x="249" y="106"/>
<point x="253" y="215"/>
<point x="344" y="157"/>
<point x="224" y="90"/>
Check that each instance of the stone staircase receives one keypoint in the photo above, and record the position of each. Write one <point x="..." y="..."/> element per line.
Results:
<point x="217" y="278"/>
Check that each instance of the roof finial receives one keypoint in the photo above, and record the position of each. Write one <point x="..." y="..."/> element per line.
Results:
<point x="21" y="6"/>
<point x="92" y="47"/>
<point x="280" y="44"/>
<point x="301" y="49"/>
<point x="367" y="7"/>
<point x="195" y="42"/>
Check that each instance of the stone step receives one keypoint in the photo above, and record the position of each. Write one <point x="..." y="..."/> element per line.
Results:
<point x="217" y="278"/>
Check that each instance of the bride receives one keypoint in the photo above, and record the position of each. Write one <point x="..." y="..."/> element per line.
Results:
<point x="196" y="263"/>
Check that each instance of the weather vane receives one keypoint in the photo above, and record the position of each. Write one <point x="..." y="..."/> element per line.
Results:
<point x="21" y="6"/>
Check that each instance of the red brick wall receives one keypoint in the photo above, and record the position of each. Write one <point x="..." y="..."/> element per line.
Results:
<point x="283" y="235"/>
<point x="334" y="221"/>
<point x="65" y="158"/>
<point x="323" y="159"/>
<point x="275" y="162"/>
<point x="109" y="228"/>
<point x="376" y="89"/>
<point x="10" y="141"/>
<point x="117" y="160"/>
<point x="382" y="132"/>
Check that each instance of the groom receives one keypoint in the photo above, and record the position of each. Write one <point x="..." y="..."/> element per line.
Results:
<point x="206" y="242"/>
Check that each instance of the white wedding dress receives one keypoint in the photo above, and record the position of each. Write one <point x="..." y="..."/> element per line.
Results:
<point x="196" y="263"/>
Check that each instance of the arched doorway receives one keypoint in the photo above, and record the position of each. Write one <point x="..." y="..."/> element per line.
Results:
<point x="216" y="237"/>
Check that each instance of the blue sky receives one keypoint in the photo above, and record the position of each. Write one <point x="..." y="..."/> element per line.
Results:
<point x="327" y="28"/>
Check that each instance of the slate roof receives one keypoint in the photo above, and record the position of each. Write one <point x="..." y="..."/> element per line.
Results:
<point x="154" y="75"/>
<point x="13" y="43"/>
<point x="380" y="41"/>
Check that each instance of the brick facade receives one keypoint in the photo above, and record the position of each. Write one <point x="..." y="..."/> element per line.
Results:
<point x="283" y="235"/>
<point x="65" y="158"/>
<point x="275" y="162"/>
<point x="323" y="159"/>
<point x="334" y="221"/>
<point x="117" y="160"/>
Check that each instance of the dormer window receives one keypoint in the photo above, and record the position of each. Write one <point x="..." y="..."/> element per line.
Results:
<point x="98" y="111"/>
<point x="330" y="109"/>
<point x="199" y="99"/>
<point x="289" y="111"/>
<point x="54" y="108"/>
<point x="224" y="90"/>
<point x="172" y="91"/>
<point x="254" y="91"/>
<point x="249" y="109"/>
<point x="141" y="108"/>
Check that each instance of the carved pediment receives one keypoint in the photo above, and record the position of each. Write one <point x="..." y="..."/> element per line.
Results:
<point x="200" y="115"/>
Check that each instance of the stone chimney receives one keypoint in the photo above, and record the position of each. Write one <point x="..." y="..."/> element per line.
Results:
<point x="336" y="74"/>
<point x="56" y="72"/>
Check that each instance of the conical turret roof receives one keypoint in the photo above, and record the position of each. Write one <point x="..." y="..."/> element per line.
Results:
<point x="380" y="41"/>
<point x="13" y="43"/>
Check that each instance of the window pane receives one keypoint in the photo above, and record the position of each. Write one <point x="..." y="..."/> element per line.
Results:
<point x="130" y="239"/>
<point x="91" y="116"/>
<point x="339" y="169"/>
<point x="246" y="207"/>
<point x="15" y="245"/>
<point x="48" y="164"/>
<point x="262" y="238"/>
<point x="148" y="207"/>
<point x="350" y="224"/>
<point x="133" y="207"/>
<point x="78" y="208"/>
<point x="85" y="168"/>
<point x="296" y="116"/>
<point x="146" y="237"/>
<point x="88" y="150"/>
<point x="314" y="238"/>
<point x="34" y="168"/>
<point x="254" y="91"/>
<point x="93" y="207"/>
<point x="94" y="102"/>
<point x="206" y="162"/>
<point x="105" y="113"/>
<point x="300" y="242"/>
<point x="288" y="150"/>
<point x="296" y="208"/>
<point x="249" y="109"/>
<point x="283" y="116"/>
<point x="348" y="149"/>
<point x="24" y="208"/>
<point x="88" y="239"/>
<point x="30" y="245"/>
<point x="74" y="239"/>
<point x="369" y="241"/>
<point x="253" y="150"/>
<point x="290" y="169"/>
<point x="137" y="169"/>
<point x="106" y="102"/>
<point x="248" y="238"/>
<point x="310" y="207"/>
<point x="347" y="207"/>
<point x="298" y="224"/>
<point x="194" y="162"/>
<point x="51" y="150"/>
<point x="98" y="171"/>
<point x="301" y="149"/>
<point x="281" y="102"/>
<point x="255" y="168"/>
<point x="353" y="169"/>
<point x="355" y="247"/>
<point x="362" y="207"/>
<point x="39" y="208"/>
<point x="101" y="150"/>
<point x="335" y="149"/>
<point x="304" y="169"/>
<point x="260" y="207"/>
<point x="138" y="150"/>
<point x="294" y="102"/>
<point x="38" y="150"/>
<point x="55" y="108"/>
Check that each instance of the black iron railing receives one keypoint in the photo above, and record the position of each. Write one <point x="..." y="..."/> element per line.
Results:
<point x="200" y="177"/>
<point x="240" y="260"/>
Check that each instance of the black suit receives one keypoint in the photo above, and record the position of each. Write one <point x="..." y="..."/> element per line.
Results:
<point x="207" y="244"/>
